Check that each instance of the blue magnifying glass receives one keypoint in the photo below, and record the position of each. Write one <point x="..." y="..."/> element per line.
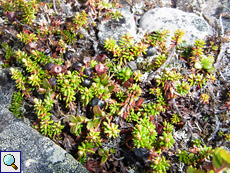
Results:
<point x="9" y="161"/>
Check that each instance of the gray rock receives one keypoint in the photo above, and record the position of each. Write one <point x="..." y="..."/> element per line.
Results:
<point x="38" y="153"/>
<point x="195" y="27"/>
<point x="148" y="3"/>
<point x="211" y="10"/>
<point x="6" y="88"/>
<point x="212" y="14"/>
<point x="115" y="29"/>
<point x="132" y="65"/>
<point x="5" y="119"/>
<point x="190" y="5"/>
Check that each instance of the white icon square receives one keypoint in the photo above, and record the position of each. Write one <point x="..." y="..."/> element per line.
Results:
<point x="10" y="161"/>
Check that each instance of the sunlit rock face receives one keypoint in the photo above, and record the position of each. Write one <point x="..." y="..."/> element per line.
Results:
<point x="116" y="29"/>
<point x="215" y="12"/>
<point x="195" y="27"/>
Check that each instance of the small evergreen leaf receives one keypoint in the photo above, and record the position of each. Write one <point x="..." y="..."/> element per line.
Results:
<point x="74" y="129"/>
<point x="211" y="59"/>
<point x="225" y="155"/>
<point x="198" y="65"/>
<point x="46" y="83"/>
<point x="89" y="125"/>
<point x="215" y="47"/>
<point x="73" y="119"/>
<point x="79" y="118"/>
<point x="111" y="88"/>
<point x="104" y="79"/>
<point x="103" y="159"/>
<point x="97" y="111"/>
<point x="190" y="170"/>
<point x="101" y="152"/>
<point x="96" y="79"/>
<point x="217" y="160"/>
<point x="211" y="70"/>
<point x="207" y="66"/>
<point x="96" y="122"/>
<point x="205" y="60"/>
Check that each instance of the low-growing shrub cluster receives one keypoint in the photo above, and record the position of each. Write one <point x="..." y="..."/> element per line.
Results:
<point x="96" y="100"/>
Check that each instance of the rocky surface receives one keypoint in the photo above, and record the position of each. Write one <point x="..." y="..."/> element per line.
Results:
<point x="115" y="29"/>
<point x="39" y="153"/>
<point x="194" y="26"/>
<point x="215" y="12"/>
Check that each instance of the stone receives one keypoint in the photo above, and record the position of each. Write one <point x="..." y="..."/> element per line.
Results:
<point x="190" y="6"/>
<point x="209" y="11"/>
<point x="38" y="153"/>
<point x="147" y="3"/>
<point x="195" y="27"/>
<point x="6" y="88"/>
<point x="116" y="29"/>
<point x="212" y="14"/>
<point x="132" y="65"/>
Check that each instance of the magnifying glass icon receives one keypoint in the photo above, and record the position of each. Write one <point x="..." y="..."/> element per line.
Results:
<point x="9" y="161"/>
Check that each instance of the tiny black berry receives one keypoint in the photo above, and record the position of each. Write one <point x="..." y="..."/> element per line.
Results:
<point x="67" y="54"/>
<point x="99" y="102"/>
<point x="77" y="66"/>
<point x="141" y="152"/>
<point x="88" y="72"/>
<point x="86" y="60"/>
<point x="48" y="66"/>
<point x="151" y="51"/>
<point x="87" y="83"/>
<point x="53" y="81"/>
